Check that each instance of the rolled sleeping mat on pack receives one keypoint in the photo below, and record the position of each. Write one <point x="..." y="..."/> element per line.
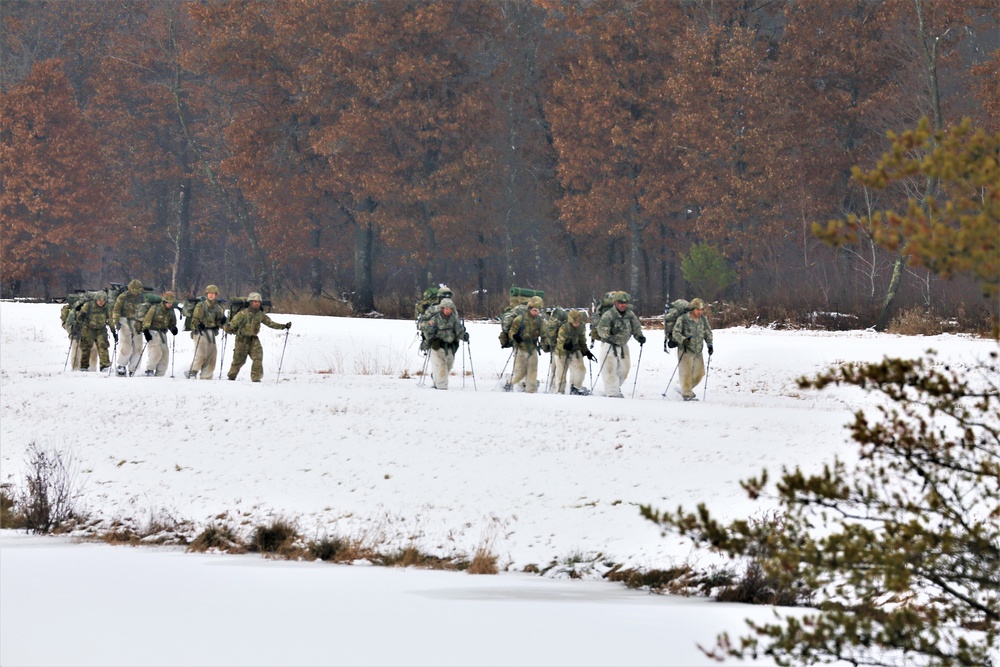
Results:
<point x="525" y="292"/>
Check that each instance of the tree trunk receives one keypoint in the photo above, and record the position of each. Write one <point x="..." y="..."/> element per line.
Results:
<point x="890" y="295"/>
<point x="181" y="274"/>
<point x="315" y="265"/>
<point x="364" y="241"/>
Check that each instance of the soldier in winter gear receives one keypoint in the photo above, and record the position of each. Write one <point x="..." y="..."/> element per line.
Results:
<point x="443" y="330"/>
<point x="691" y="332"/>
<point x="160" y="318"/>
<point x="570" y="349"/>
<point x="126" y="322"/>
<point x="95" y="318"/>
<point x="524" y="332"/>
<point x="206" y="319"/>
<point x="73" y="327"/>
<point x="616" y="326"/>
<point x="245" y="325"/>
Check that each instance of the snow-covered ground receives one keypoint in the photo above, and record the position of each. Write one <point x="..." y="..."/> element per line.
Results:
<point x="348" y="444"/>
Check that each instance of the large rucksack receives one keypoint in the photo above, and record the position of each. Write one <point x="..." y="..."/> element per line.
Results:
<point x="671" y="312"/>
<point x="187" y="310"/>
<point x="148" y="301"/>
<point x="550" y="328"/>
<point x="238" y="303"/>
<point x="76" y="301"/>
<point x="518" y="306"/>
<point x="607" y="302"/>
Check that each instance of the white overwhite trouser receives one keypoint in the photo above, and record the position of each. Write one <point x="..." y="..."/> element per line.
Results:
<point x="614" y="359"/>
<point x="159" y="354"/>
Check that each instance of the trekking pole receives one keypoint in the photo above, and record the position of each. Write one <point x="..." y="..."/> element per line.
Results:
<point x="463" y="367"/>
<point x="139" y="360"/>
<point x="601" y="369"/>
<point x="173" y="353"/>
<point x="707" y="369"/>
<point x="196" y="346"/>
<point x="637" y="364"/>
<point x="66" y="363"/>
<point x="672" y="377"/>
<point x="114" y="354"/>
<point x="472" y="367"/>
<point x="282" y="360"/>
<point x="423" y="371"/>
<point x="500" y="379"/>
<point x="222" y="357"/>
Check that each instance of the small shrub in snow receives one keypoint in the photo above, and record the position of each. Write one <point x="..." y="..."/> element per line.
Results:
<point x="51" y="490"/>
<point x="217" y="537"/>
<point x="277" y="537"/>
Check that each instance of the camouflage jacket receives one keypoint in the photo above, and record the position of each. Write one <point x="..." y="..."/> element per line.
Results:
<point x="699" y="331"/>
<point x="208" y="313"/>
<point x="159" y="318"/>
<point x="575" y="336"/>
<point x="616" y="328"/>
<point x="126" y="304"/>
<point x="444" y="329"/>
<point x="92" y="316"/>
<point x="528" y="328"/>
<point x="247" y="322"/>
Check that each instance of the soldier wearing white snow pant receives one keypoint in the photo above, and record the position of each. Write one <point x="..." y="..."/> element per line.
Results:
<point x="691" y="369"/>
<point x="526" y="370"/>
<point x="130" y="345"/>
<point x="442" y="361"/>
<point x="205" y="354"/>
<point x="159" y="354"/>
<point x="615" y="363"/>
<point x="572" y="362"/>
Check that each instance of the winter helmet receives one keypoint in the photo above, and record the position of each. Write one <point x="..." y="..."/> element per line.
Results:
<point x="444" y="292"/>
<point x="254" y="296"/>
<point x="621" y="297"/>
<point x="697" y="304"/>
<point x="169" y="296"/>
<point x="536" y="302"/>
<point x="575" y="317"/>
<point x="135" y="286"/>
<point x="447" y="303"/>
<point x="101" y="296"/>
<point x="212" y="288"/>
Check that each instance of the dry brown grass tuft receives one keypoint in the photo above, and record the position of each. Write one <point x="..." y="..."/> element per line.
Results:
<point x="915" y="322"/>
<point x="483" y="562"/>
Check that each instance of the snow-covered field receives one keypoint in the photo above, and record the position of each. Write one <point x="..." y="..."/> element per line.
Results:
<point x="348" y="444"/>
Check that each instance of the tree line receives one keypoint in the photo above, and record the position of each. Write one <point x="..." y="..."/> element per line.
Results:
<point x="366" y="150"/>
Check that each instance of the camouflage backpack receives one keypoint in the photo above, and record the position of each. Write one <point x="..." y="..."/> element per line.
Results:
<point x="190" y="303"/>
<point x="76" y="301"/>
<point x="671" y="312"/>
<point x="148" y="300"/>
<point x="550" y="329"/>
<point x="518" y="306"/>
<point x="607" y="302"/>
<point x="238" y="303"/>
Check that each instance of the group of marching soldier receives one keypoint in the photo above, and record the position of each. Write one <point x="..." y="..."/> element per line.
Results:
<point x="614" y="326"/>
<point x="139" y="324"/>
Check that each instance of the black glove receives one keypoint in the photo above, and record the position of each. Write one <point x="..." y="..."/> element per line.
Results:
<point x="173" y="330"/>
<point x="114" y="332"/>
<point x="288" y="326"/>
<point x="671" y="343"/>
<point x="568" y="345"/>
<point x="436" y="344"/>
<point x="222" y="320"/>
<point x="201" y="327"/>
<point x="148" y="336"/>
<point x="711" y="350"/>
<point x="589" y="355"/>
<point x="465" y="336"/>
<point x="641" y="339"/>
<point x="518" y="339"/>
<point x="118" y="326"/>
